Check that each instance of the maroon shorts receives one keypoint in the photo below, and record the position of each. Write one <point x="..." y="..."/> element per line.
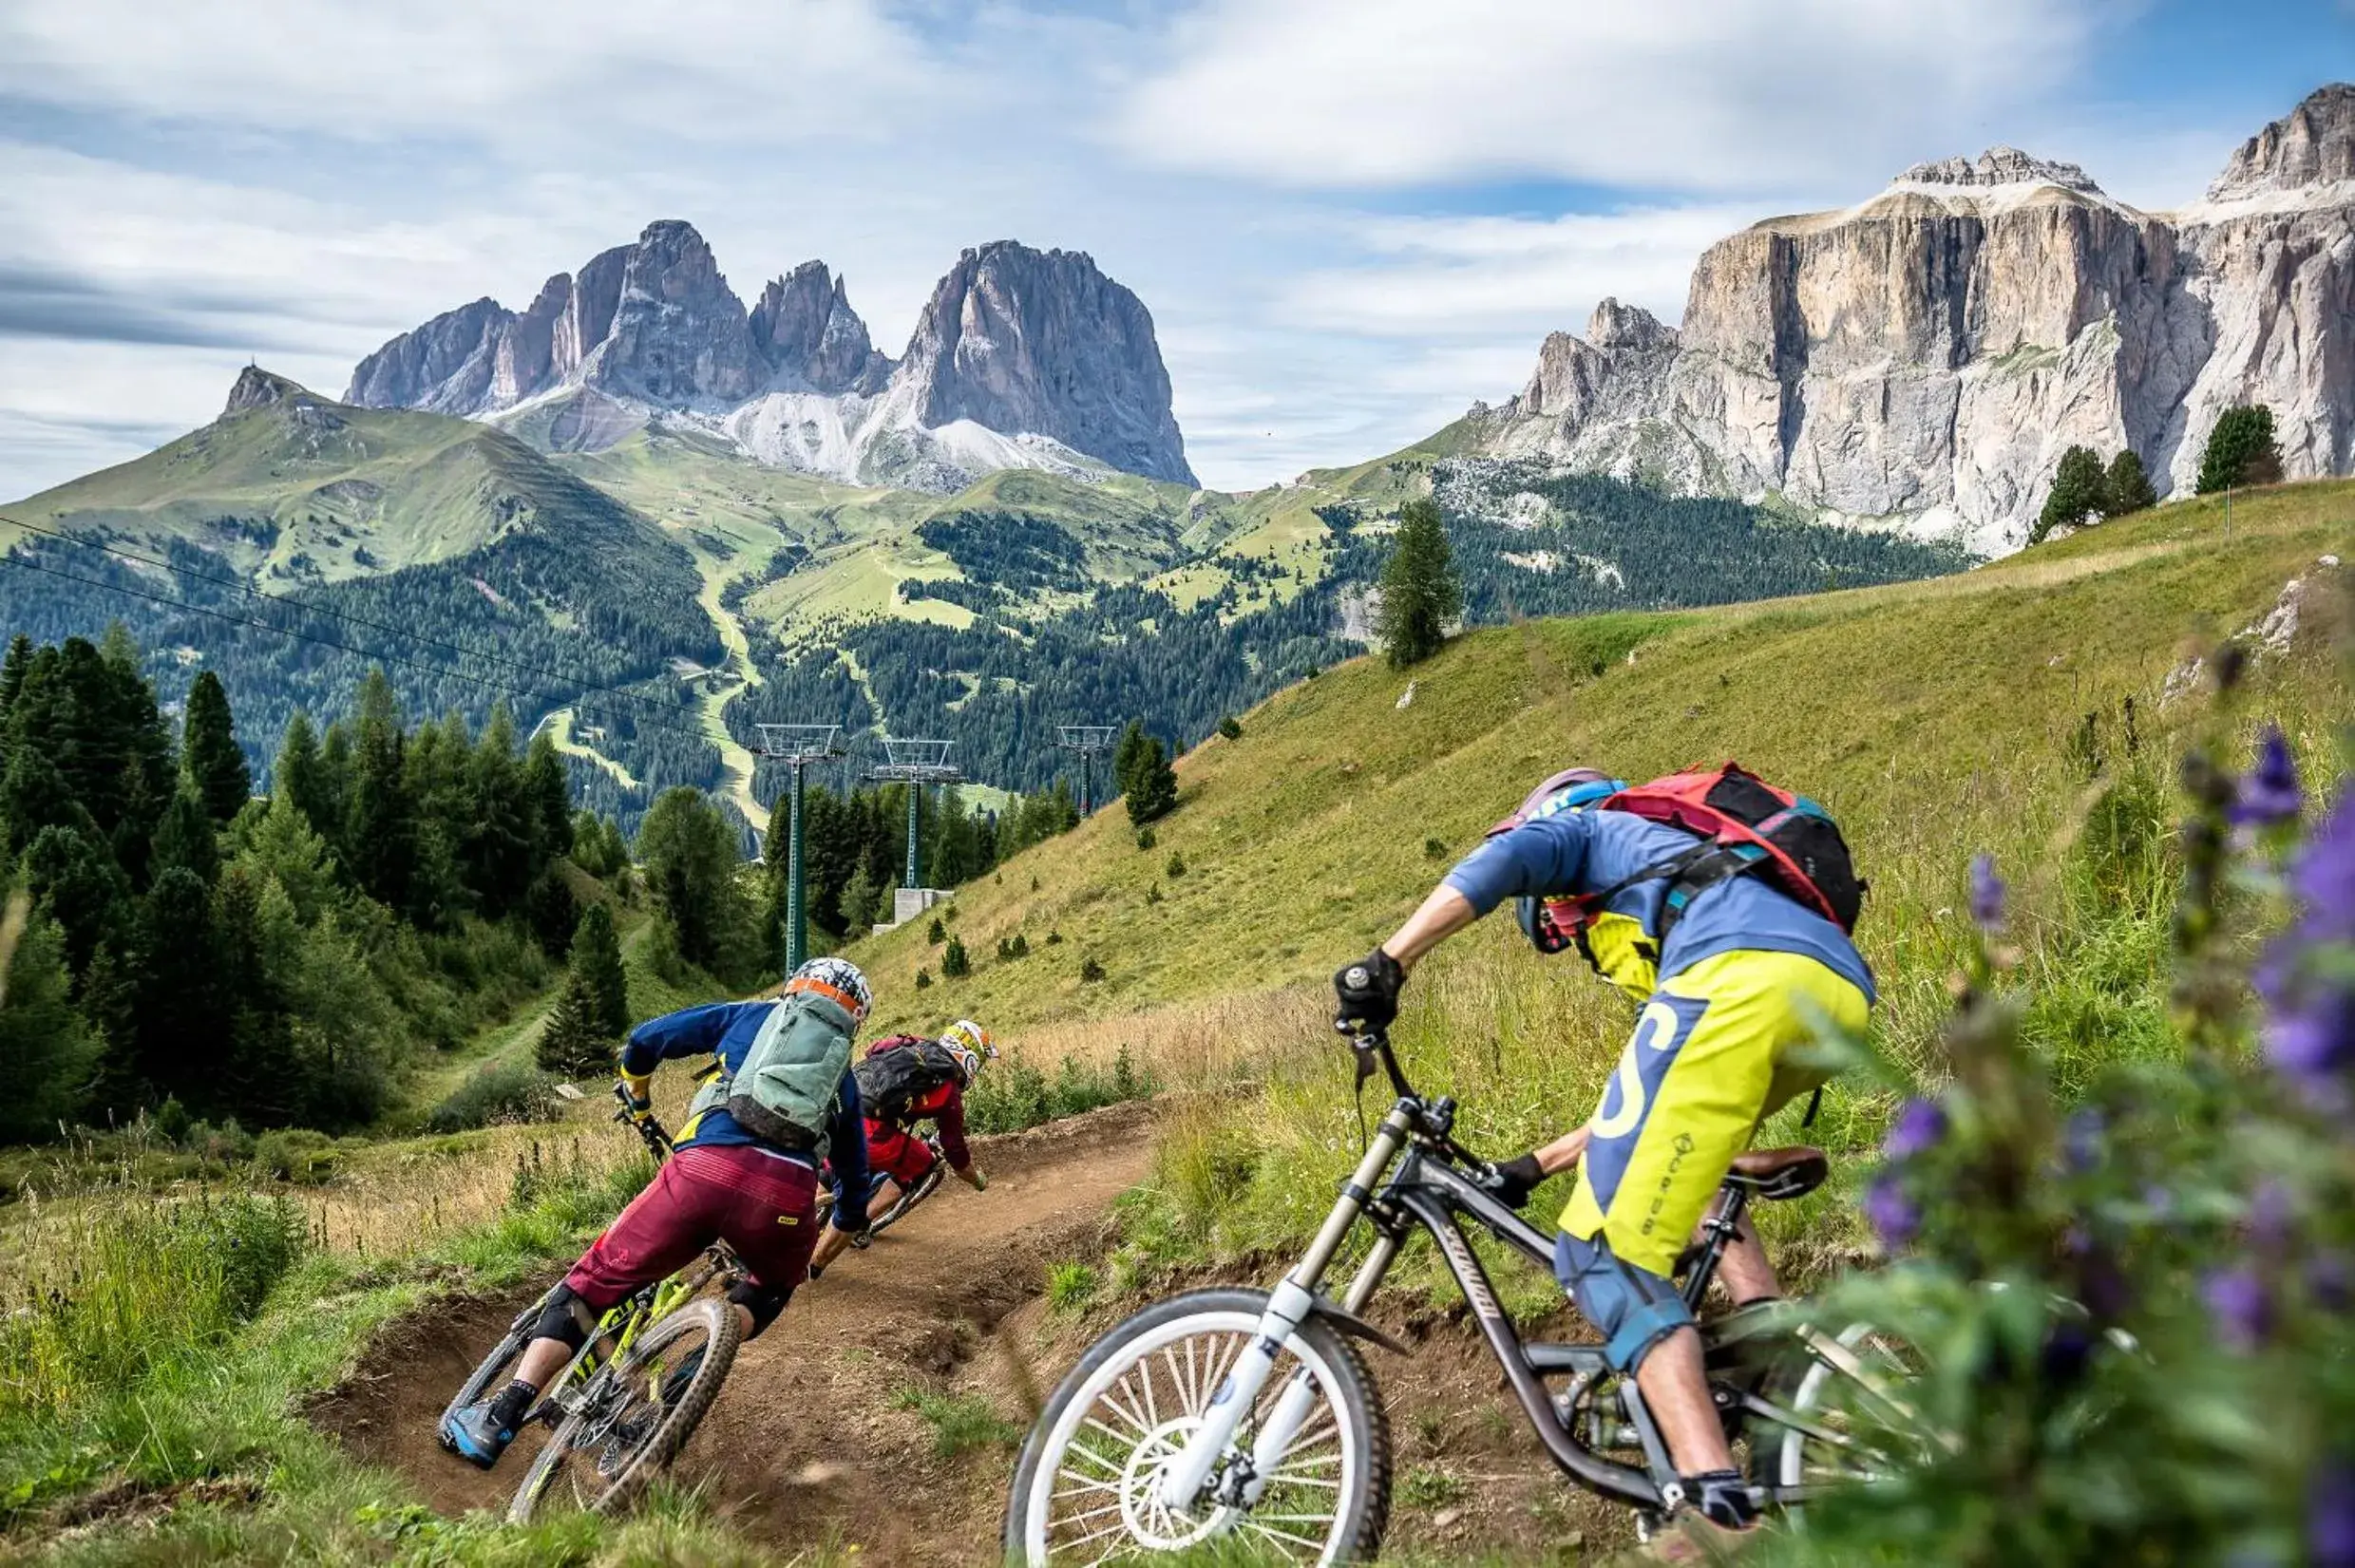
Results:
<point x="764" y="1207"/>
<point x="897" y="1153"/>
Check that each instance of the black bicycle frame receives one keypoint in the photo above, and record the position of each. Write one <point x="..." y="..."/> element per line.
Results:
<point x="1426" y="1189"/>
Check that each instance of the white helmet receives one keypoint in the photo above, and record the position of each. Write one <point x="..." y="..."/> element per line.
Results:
<point x="970" y="1045"/>
<point x="840" y="977"/>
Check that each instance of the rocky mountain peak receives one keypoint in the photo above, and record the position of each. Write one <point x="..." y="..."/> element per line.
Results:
<point x="812" y="339"/>
<point x="2001" y="165"/>
<point x="2313" y="145"/>
<point x="1617" y="326"/>
<point x="258" y="388"/>
<point x="1041" y="340"/>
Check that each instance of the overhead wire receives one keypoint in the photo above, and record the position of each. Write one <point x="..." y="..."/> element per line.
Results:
<point x="441" y="671"/>
<point x="561" y="677"/>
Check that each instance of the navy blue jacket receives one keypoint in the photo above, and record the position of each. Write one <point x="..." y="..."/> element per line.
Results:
<point x="726" y="1029"/>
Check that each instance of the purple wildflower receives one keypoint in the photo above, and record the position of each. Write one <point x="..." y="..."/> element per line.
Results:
<point x="2331" y="1516"/>
<point x="2323" y="876"/>
<point x="2241" y="1306"/>
<point x="1920" y="1127"/>
<point x="2272" y="1213"/>
<point x="2331" y="1281"/>
<point x="2081" y="1140"/>
<point x="1892" y="1213"/>
<point x="1986" y="893"/>
<point x="2269" y="793"/>
<point x="2309" y="1040"/>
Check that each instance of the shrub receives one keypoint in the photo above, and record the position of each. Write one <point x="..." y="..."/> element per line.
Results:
<point x="1016" y="1094"/>
<point x="1054" y="938"/>
<point x="505" y="1091"/>
<point x="297" y="1155"/>
<point x="923" y="979"/>
<point x="1145" y="838"/>
<point x="1152" y="893"/>
<point x="1089" y="970"/>
<point x="936" y="933"/>
<point x="1228" y="729"/>
<point x="1176" y="867"/>
<point x="2126" y="488"/>
<point x="954" y="964"/>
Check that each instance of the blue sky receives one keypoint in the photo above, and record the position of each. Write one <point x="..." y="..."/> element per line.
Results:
<point x="1350" y="218"/>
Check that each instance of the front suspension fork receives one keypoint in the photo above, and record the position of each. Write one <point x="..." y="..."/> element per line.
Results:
<point x="1288" y="1307"/>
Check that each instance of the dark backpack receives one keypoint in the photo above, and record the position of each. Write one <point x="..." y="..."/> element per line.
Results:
<point x="1746" y="827"/>
<point x="898" y="1071"/>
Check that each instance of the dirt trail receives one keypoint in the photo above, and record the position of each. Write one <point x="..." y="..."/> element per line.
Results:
<point x="805" y="1444"/>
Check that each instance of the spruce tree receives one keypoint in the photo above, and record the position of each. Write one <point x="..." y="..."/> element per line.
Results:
<point x="955" y="965"/>
<point x="380" y="838"/>
<point x="500" y="841"/>
<point x="690" y="855"/>
<point x="549" y="793"/>
<point x="76" y="883"/>
<point x="209" y="754"/>
<point x="185" y="836"/>
<point x="860" y="901"/>
<point x="12" y="679"/>
<point x="2126" y="488"/>
<point x="2078" y="491"/>
<point x="592" y="1013"/>
<point x="1129" y="755"/>
<point x="2241" y="450"/>
<point x="1154" y="792"/>
<point x="183" y="1030"/>
<point x="1420" y="593"/>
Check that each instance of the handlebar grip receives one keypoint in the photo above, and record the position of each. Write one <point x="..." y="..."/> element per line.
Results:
<point x="1358" y="976"/>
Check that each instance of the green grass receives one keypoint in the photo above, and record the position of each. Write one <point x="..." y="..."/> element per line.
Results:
<point x="1070" y="1287"/>
<point x="962" y="1424"/>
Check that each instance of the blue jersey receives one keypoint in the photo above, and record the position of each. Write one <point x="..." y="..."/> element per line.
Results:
<point x="726" y="1029"/>
<point x="1572" y="853"/>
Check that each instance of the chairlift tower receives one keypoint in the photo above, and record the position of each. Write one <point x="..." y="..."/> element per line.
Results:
<point x="916" y="764"/>
<point x="1087" y="740"/>
<point x="797" y="746"/>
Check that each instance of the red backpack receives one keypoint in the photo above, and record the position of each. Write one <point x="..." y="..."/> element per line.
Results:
<point x="1745" y="827"/>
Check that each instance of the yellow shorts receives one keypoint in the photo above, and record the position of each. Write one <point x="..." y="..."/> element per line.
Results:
<point x="1707" y="1063"/>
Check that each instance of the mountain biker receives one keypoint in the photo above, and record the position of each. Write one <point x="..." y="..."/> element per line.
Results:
<point x="903" y="1081"/>
<point x="721" y="1183"/>
<point x="1744" y="974"/>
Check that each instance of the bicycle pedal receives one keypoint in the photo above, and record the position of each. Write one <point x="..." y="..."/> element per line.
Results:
<point x="863" y="1241"/>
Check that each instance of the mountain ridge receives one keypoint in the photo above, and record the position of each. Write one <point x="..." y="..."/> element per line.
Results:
<point x="1022" y="358"/>
<point x="1922" y="357"/>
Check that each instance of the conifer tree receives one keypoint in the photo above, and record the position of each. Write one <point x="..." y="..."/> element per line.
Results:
<point x="183" y="1028"/>
<point x="955" y="965"/>
<point x="2078" y="491"/>
<point x="381" y="836"/>
<point x="502" y="836"/>
<point x="12" y="680"/>
<point x="691" y="858"/>
<point x="51" y="1054"/>
<point x="1154" y="788"/>
<point x="209" y="754"/>
<point x="549" y="793"/>
<point x="592" y="1013"/>
<point x="859" y="901"/>
<point x="1420" y="593"/>
<point x="2126" y="488"/>
<point x="1128" y="755"/>
<point x="75" y="882"/>
<point x="2241" y="450"/>
<point x="185" y="836"/>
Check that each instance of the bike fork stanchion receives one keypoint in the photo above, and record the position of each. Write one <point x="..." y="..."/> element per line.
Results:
<point x="1300" y="1395"/>
<point x="1288" y="1306"/>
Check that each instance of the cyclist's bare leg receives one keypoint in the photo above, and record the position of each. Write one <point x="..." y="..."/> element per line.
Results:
<point x="1676" y="1390"/>
<point x="542" y="1359"/>
<point x="1744" y="1271"/>
<point x="832" y="1241"/>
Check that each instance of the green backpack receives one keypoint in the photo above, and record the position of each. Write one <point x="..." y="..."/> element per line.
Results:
<point x="785" y="1091"/>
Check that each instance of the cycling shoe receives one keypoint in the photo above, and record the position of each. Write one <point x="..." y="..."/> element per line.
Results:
<point x="474" y="1436"/>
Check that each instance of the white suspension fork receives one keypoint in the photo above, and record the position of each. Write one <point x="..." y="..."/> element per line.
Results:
<point x="1288" y="1306"/>
<point x="1299" y="1399"/>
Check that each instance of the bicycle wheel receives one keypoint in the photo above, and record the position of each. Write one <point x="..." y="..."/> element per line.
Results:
<point x="1852" y="1420"/>
<point x="635" y="1415"/>
<point x="1087" y="1486"/>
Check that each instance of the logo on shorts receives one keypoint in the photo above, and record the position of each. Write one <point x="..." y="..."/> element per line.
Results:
<point x="789" y="1219"/>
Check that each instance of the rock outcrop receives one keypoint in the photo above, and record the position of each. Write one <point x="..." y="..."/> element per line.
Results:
<point x="1019" y="339"/>
<point x="1022" y="358"/>
<point x="1924" y="357"/>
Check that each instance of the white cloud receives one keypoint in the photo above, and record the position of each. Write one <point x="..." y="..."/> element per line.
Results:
<point x="509" y="71"/>
<point x="1677" y="94"/>
<point x="1446" y="276"/>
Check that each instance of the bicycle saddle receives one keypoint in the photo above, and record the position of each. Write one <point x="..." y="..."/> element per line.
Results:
<point x="1777" y="1174"/>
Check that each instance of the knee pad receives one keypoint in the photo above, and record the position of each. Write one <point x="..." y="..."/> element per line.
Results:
<point x="1634" y="1308"/>
<point x="565" y="1318"/>
<point x="763" y="1301"/>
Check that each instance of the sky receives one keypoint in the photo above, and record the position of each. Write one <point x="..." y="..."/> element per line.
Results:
<point x="1349" y="217"/>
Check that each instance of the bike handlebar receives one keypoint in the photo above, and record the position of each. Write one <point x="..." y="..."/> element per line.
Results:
<point x="655" y="1136"/>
